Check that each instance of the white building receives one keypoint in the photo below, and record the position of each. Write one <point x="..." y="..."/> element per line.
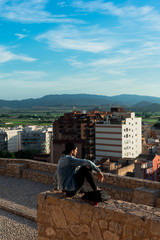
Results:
<point x="30" y="137"/>
<point x="13" y="139"/>
<point x="36" y="140"/>
<point x="123" y="140"/>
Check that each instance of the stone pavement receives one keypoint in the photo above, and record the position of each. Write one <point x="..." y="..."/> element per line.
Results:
<point x="19" y="196"/>
<point x="13" y="227"/>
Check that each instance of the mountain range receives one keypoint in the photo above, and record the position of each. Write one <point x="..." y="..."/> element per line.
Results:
<point x="131" y="101"/>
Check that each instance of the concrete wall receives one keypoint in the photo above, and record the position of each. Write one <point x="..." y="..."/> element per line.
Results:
<point x="73" y="219"/>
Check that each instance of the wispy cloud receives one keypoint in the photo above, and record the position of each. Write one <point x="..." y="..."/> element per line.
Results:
<point x="146" y="14"/>
<point x="110" y="61"/>
<point x="74" y="62"/>
<point x="110" y="8"/>
<point x="20" y="35"/>
<point x="30" y="75"/>
<point x="6" y="55"/>
<point x="30" y="11"/>
<point x="94" y="84"/>
<point x="82" y="39"/>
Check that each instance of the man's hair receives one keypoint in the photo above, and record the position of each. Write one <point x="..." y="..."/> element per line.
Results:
<point x="69" y="147"/>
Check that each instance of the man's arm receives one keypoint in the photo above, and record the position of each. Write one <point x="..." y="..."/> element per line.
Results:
<point x="100" y="177"/>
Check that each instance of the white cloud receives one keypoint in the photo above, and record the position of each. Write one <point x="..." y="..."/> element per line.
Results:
<point x="20" y="35"/>
<point x="29" y="75"/>
<point x="62" y="4"/>
<point x="24" y="75"/>
<point x="82" y="39"/>
<point x="74" y="62"/>
<point x="30" y="11"/>
<point x="147" y="16"/>
<point x="110" y="8"/>
<point x="6" y="55"/>
<point x="110" y="61"/>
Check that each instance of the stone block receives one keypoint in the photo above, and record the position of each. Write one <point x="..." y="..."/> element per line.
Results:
<point x="58" y="217"/>
<point x="147" y="196"/>
<point x="107" y="235"/>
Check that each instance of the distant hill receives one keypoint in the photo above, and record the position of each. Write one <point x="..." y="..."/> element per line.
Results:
<point x="146" y="106"/>
<point x="82" y="100"/>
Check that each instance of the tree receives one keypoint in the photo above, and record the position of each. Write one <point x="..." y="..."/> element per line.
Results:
<point x="6" y="154"/>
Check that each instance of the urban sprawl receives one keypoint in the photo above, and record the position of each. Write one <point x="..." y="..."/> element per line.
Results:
<point x="117" y="141"/>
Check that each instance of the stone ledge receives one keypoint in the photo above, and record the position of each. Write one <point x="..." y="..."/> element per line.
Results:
<point x="147" y="212"/>
<point x="147" y="196"/>
<point x="71" y="219"/>
<point x="18" y="209"/>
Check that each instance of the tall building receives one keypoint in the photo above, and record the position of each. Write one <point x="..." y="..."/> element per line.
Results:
<point x="78" y="127"/>
<point x="119" y="137"/>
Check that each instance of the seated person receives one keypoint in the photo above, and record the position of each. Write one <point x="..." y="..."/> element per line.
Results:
<point x="72" y="171"/>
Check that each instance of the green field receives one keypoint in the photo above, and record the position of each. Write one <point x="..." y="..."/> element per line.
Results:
<point x="26" y="117"/>
<point x="46" y="116"/>
<point x="149" y="117"/>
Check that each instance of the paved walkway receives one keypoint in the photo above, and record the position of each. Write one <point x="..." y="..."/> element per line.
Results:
<point x="18" y="197"/>
<point x="13" y="227"/>
<point x="21" y="191"/>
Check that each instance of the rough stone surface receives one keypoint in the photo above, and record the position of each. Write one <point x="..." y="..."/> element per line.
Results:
<point x="113" y="220"/>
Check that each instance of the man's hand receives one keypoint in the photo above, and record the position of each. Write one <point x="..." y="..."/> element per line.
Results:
<point x="100" y="177"/>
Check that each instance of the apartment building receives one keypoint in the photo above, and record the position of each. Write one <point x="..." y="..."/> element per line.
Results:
<point x="24" y="138"/>
<point x="3" y="141"/>
<point x="35" y="140"/>
<point x="13" y="138"/>
<point x="119" y="137"/>
<point x="78" y="127"/>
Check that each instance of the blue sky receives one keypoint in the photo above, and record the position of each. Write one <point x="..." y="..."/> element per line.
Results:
<point x="95" y="47"/>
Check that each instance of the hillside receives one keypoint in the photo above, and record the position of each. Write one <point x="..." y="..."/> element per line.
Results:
<point x="83" y="100"/>
<point x="146" y="106"/>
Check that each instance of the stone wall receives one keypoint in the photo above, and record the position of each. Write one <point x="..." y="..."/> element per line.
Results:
<point x="122" y="171"/>
<point x="28" y="169"/>
<point x="109" y="179"/>
<point x="119" y="187"/>
<point x="60" y="218"/>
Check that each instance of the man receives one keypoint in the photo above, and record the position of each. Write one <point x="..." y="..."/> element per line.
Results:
<point x="72" y="171"/>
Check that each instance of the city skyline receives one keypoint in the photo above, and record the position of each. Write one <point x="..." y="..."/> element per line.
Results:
<point x="71" y="47"/>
